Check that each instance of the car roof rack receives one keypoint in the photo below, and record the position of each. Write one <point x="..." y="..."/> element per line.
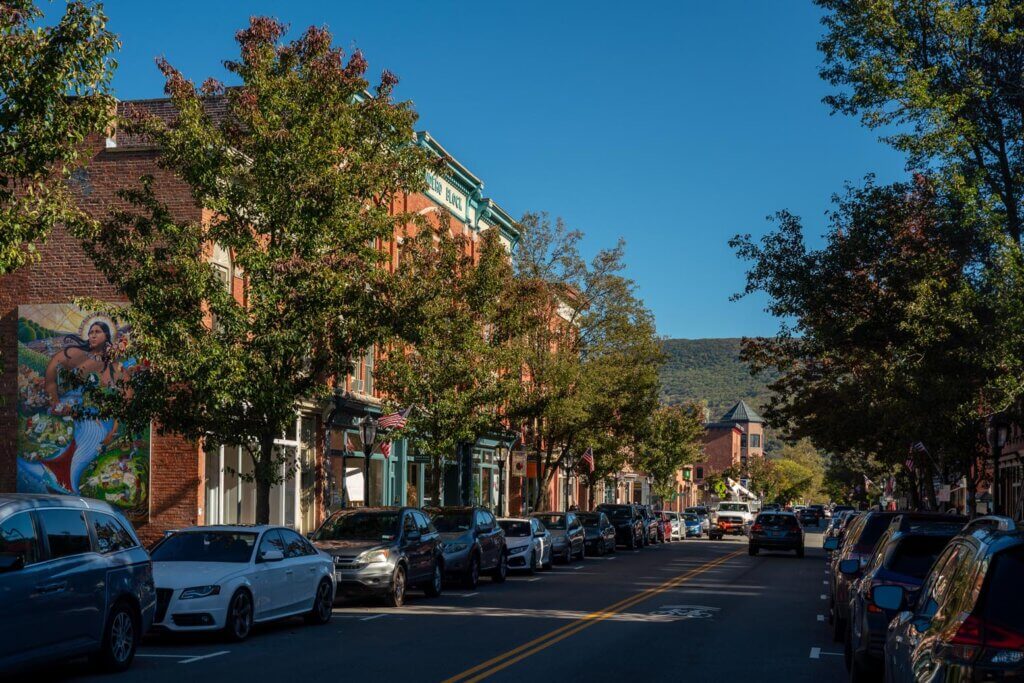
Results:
<point x="998" y="522"/>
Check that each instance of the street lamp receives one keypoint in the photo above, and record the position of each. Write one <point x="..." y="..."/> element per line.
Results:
<point x="997" y="431"/>
<point x="368" y="434"/>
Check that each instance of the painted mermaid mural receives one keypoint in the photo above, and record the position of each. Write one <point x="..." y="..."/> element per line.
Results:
<point x="64" y="444"/>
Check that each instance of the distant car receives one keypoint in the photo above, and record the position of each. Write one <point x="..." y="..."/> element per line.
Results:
<point x="528" y="543"/>
<point x="808" y="517"/>
<point x="732" y="517"/>
<point x="226" y="578"/>
<point x="967" y="621"/>
<point x="771" y="507"/>
<point x="629" y="525"/>
<point x="703" y="513"/>
<point x="74" y="580"/>
<point x="819" y="512"/>
<point x="650" y="524"/>
<point x="381" y="551"/>
<point x="664" y="527"/>
<point x="567" y="535"/>
<point x="473" y="544"/>
<point x="675" y="520"/>
<point x="903" y="556"/>
<point x="693" y="525"/>
<point x="776" y="531"/>
<point x="599" y="533"/>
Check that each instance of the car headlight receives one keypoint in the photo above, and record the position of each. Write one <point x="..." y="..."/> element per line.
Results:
<point x="454" y="547"/>
<point x="518" y="549"/>
<point x="373" y="556"/>
<point x="199" y="592"/>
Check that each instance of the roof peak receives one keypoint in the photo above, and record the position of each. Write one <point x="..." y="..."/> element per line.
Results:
<point x="741" y="412"/>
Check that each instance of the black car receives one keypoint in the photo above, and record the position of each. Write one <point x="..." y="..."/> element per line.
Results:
<point x="406" y="545"/>
<point x="903" y="556"/>
<point x="599" y="533"/>
<point x="628" y="523"/>
<point x="808" y="517"/>
<point x="776" y="531"/>
<point x="967" y="621"/>
<point x="472" y="542"/>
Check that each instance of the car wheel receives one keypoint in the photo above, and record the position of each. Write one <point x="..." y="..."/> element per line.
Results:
<point x="614" y="548"/>
<point x="838" y="628"/>
<point x="472" y="578"/>
<point x="531" y="568"/>
<point x="396" y="590"/>
<point x="800" y="551"/>
<point x="120" y="639"/>
<point x="323" y="604"/>
<point x="752" y="549"/>
<point x="501" y="571"/>
<point x="433" y="587"/>
<point x="600" y="548"/>
<point x="239" y="619"/>
<point x="547" y="565"/>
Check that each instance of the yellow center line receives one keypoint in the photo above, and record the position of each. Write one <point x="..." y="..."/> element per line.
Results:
<point x="507" y="659"/>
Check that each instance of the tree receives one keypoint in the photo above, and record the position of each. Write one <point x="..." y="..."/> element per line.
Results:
<point x="672" y="438"/>
<point x="590" y="355"/>
<point x="454" y="361"/>
<point x="54" y="92"/>
<point x="948" y="77"/>
<point x="296" y="169"/>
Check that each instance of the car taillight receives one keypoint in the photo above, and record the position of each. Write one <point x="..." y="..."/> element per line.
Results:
<point x="757" y="528"/>
<point x="968" y="641"/>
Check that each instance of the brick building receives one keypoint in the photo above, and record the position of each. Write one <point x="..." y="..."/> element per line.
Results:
<point x="731" y="441"/>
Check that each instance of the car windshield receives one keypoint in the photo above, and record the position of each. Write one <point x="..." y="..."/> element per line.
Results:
<point x="695" y="511"/>
<point x="616" y="512"/>
<point x="553" y="521"/>
<point x="452" y="521"/>
<point x="690" y="517"/>
<point x="359" y="526"/>
<point x="205" y="546"/>
<point x="914" y="555"/>
<point x="733" y="507"/>
<point x="514" y="529"/>
<point x="1003" y="606"/>
<point x="590" y="521"/>
<point x="873" y="528"/>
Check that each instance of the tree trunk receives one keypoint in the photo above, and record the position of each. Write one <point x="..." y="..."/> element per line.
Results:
<point x="263" y="472"/>
<point x="542" y="499"/>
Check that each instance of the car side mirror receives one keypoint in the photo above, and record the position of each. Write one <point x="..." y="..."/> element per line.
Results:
<point x="11" y="562"/>
<point x="412" y="536"/>
<point x="830" y="544"/>
<point x="271" y="556"/>
<point x="889" y="597"/>
<point x="538" y="534"/>
<point x="849" y="567"/>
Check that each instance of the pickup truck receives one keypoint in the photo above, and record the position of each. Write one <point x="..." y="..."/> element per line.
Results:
<point x="731" y="517"/>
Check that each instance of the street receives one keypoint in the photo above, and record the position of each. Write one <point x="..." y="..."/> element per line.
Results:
<point x="700" y="609"/>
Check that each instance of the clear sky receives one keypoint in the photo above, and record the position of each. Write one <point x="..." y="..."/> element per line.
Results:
<point x="674" y="125"/>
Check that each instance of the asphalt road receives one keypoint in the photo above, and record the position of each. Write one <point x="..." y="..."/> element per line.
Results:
<point x="697" y="610"/>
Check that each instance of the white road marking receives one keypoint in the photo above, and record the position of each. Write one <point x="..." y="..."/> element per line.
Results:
<point x="536" y="578"/>
<point x="578" y="567"/>
<point x="822" y="596"/>
<point x="825" y="582"/>
<point x="821" y="617"/>
<point x="196" y="659"/>
<point x="140" y="654"/>
<point x="373" y="616"/>
<point x="465" y="595"/>
<point x="815" y="652"/>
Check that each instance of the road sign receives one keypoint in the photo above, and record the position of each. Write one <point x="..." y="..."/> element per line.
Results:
<point x="517" y="463"/>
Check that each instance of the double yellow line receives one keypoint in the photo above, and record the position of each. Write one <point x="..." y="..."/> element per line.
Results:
<point x="507" y="659"/>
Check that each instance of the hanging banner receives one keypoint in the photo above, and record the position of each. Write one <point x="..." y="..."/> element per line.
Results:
<point x="64" y="446"/>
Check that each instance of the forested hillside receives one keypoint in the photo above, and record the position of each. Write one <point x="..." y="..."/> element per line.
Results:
<point x="710" y="370"/>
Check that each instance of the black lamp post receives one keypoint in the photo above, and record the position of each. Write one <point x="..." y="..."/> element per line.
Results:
<point x="997" y="431"/>
<point x="368" y="434"/>
<point x="501" y="481"/>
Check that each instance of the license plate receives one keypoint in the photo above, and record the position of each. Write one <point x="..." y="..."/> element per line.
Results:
<point x="775" y="534"/>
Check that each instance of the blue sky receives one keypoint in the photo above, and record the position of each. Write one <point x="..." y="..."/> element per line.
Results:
<point x="674" y="125"/>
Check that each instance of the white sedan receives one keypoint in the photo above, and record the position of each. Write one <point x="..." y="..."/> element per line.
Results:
<point x="528" y="544"/>
<point x="228" y="577"/>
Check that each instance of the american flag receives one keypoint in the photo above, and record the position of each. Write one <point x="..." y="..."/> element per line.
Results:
<point x="395" y="420"/>
<point x="868" y="483"/>
<point x="588" y="457"/>
<point x="385" y="448"/>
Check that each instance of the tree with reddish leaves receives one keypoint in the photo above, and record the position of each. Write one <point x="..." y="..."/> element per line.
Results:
<point x="296" y="168"/>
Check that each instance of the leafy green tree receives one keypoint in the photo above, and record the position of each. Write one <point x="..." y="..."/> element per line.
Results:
<point x="455" y="360"/>
<point x="943" y="78"/>
<point x="672" y="438"/>
<point x="54" y="92"/>
<point x="296" y="169"/>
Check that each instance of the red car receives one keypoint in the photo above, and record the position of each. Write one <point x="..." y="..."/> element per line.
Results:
<point x="664" y="526"/>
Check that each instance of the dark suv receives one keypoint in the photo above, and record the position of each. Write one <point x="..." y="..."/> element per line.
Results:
<point x="776" y="531"/>
<point x="381" y="551"/>
<point x="967" y="622"/>
<point x="74" y="580"/>
<point x="903" y="556"/>
<point x="473" y="544"/>
<point x="629" y="525"/>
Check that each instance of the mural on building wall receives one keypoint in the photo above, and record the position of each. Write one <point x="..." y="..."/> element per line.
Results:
<point x="64" y="446"/>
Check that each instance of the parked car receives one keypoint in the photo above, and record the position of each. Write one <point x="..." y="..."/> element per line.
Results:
<point x="693" y="525"/>
<point x="903" y="556"/>
<point x="381" y="551"/>
<point x="528" y="544"/>
<point x="226" y="578"/>
<point x="628" y="523"/>
<point x="807" y="517"/>
<point x="567" y="535"/>
<point x="54" y="552"/>
<point x="664" y="527"/>
<point x="675" y="520"/>
<point x="650" y="524"/>
<point x="819" y="512"/>
<point x="473" y="544"/>
<point x="771" y="507"/>
<point x="967" y="621"/>
<point x="776" y="531"/>
<point x="703" y="513"/>
<point x="599" y="533"/>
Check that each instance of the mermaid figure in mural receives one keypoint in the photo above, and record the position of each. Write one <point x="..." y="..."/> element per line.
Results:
<point x="90" y="361"/>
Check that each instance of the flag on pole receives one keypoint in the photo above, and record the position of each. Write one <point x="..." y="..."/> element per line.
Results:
<point x="385" y="448"/>
<point x="588" y="457"/>
<point x="395" y="420"/>
<point x="868" y="483"/>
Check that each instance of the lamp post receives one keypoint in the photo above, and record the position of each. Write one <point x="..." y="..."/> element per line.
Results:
<point x="368" y="434"/>
<point x="501" y="480"/>
<point x="997" y="431"/>
<point x="568" y="470"/>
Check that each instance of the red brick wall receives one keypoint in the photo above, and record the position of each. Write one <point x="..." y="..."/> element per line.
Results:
<point x="721" y="450"/>
<point x="64" y="273"/>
